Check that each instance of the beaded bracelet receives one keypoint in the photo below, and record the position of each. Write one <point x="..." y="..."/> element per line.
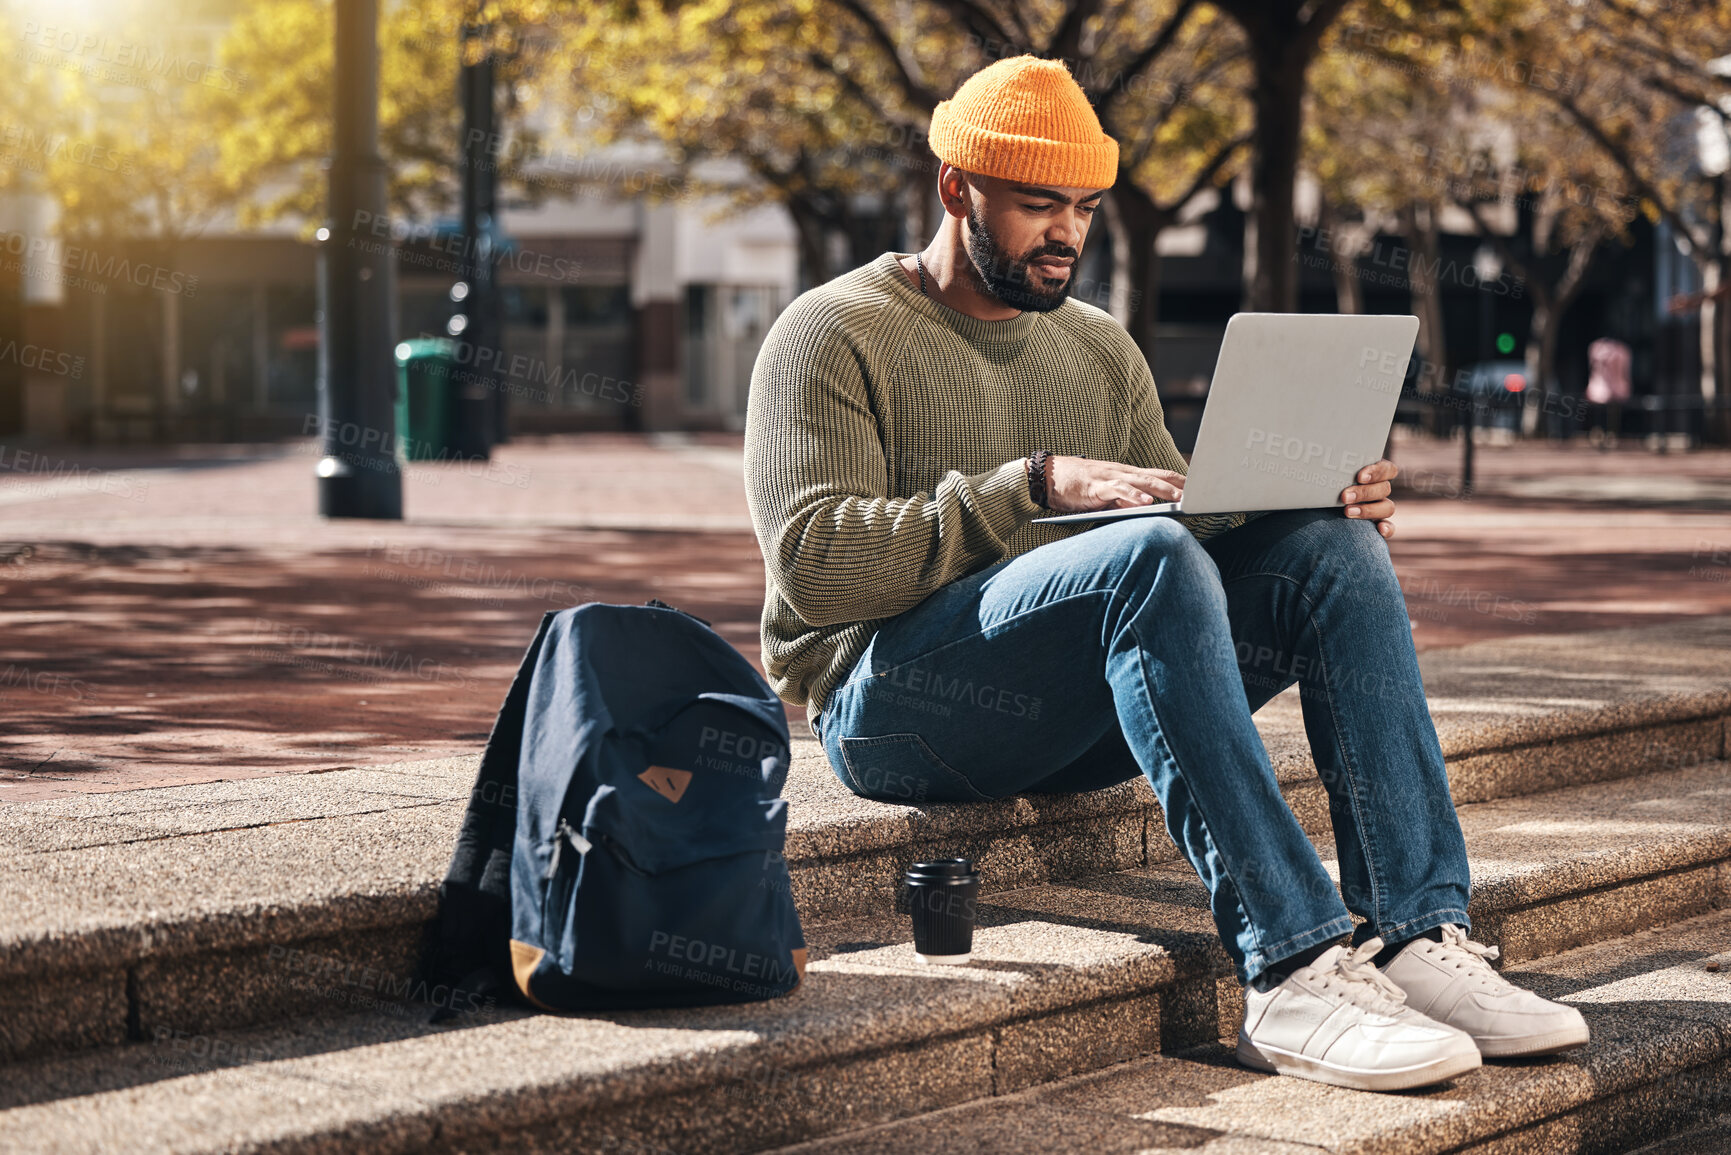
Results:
<point x="1038" y="463"/>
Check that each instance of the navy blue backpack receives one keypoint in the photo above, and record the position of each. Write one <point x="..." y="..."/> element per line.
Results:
<point x="645" y="861"/>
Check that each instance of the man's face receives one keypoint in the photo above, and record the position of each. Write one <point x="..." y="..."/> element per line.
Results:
<point x="1024" y="240"/>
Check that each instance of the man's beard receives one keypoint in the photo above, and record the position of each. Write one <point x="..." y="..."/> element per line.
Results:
<point x="1008" y="278"/>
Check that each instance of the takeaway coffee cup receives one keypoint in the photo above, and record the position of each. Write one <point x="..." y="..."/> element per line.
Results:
<point x="942" y="898"/>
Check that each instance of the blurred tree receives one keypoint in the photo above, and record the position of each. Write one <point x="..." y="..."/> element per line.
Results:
<point x="1569" y="200"/>
<point x="131" y="178"/>
<point x="1411" y="123"/>
<point x="1284" y="37"/>
<point x="1375" y="114"/>
<point x="1174" y="102"/>
<point x="129" y="169"/>
<point x="1648" y="82"/>
<point x="271" y="134"/>
<point x="180" y="135"/>
<point x="773" y="89"/>
<point x="827" y="102"/>
<point x="28" y="127"/>
<point x="166" y="191"/>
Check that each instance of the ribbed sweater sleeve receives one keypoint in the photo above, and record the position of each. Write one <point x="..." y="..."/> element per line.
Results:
<point x="836" y="546"/>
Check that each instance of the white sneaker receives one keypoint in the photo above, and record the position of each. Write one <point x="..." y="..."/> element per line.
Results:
<point x="1452" y="982"/>
<point x="1340" y="1021"/>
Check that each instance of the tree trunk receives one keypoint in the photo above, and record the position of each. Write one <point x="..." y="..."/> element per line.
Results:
<point x="1419" y="229"/>
<point x="872" y="236"/>
<point x="1344" y="241"/>
<point x="1140" y="223"/>
<point x="1119" y="303"/>
<point x="1145" y="301"/>
<point x="917" y="202"/>
<point x="1283" y="36"/>
<point x="1721" y="367"/>
<point x="1278" y="100"/>
<point x="813" y="247"/>
<point x="1543" y="367"/>
<point x="1348" y="291"/>
<point x="1549" y="305"/>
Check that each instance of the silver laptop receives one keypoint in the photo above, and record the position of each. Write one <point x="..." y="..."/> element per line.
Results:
<point x="1298" y="405"/>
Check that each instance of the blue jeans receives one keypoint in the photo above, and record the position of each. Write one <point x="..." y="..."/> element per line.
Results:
<point x="1134" y="649"/>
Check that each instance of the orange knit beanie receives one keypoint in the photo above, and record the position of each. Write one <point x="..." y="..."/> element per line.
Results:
<point x="1025" y="119"/>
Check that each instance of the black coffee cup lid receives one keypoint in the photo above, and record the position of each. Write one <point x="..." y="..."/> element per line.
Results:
<point x="942" y="868"/>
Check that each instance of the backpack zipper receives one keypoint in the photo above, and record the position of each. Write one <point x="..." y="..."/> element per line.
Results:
<point x="578" y="843"/>
<point x="620" y="854"/>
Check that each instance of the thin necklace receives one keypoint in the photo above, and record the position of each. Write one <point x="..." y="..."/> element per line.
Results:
<point x="920" y="264"/>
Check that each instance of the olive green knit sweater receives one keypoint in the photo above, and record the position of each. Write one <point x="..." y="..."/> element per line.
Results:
<point x="884" y="453"/>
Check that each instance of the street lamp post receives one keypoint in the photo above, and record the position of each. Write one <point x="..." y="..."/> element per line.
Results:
<point x="480" y="400"/>
<point x="1488" y="267"/>
<point x="357" y="474"/>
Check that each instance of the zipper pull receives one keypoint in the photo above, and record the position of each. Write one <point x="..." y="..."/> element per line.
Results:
<point x="578" y="842"/>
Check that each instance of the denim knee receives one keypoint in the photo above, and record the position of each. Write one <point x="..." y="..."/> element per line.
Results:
<point x="1347" y="554"/>
<point x="1146" y="551"/>
<point x="1141" y="543"/>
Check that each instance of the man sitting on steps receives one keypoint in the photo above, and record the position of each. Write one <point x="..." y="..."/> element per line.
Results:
<point x="907" y="423"/>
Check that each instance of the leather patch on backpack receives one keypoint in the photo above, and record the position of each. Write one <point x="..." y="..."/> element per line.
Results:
<point x="666" y="781"/>
<point x="524" y="960"/>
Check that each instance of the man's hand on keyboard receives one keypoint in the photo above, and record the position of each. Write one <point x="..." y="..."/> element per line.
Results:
<point x="1082" y="485"/>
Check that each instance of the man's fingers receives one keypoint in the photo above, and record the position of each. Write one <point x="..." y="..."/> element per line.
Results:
<point x="1366" y="492"/>
<point x="1372" y="483"/>
<point x="1378" y="511"/>
<point x="1123" y="494"/>
<point x="1375" y="510"/>
<point x="1384" y="470"/>
<point x="1164" y="485"/>
<point x="1166" y="491"/>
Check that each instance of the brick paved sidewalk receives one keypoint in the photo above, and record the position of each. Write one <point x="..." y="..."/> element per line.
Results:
<point x="181" y="616"/>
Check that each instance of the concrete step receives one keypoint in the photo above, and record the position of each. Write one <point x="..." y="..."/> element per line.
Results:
<point x="1658" y="1003"/>
<point x="1069" y="978"/>
<point x="190" y="904"/>
<point x="1711" y="1138"/>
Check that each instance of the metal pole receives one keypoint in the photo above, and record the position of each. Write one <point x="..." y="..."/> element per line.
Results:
<point x="1467" y="450"/>
<point x="358" y="474"/>
<point x="1487" y="349"/>
<point x="480" y="405"/>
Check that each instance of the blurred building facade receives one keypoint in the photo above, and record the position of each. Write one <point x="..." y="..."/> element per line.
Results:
<point x="637" y="314"/>
<point x="619" y="314"/>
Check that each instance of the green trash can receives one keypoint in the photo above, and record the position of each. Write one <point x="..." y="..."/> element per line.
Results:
<point x="426" y="398"/>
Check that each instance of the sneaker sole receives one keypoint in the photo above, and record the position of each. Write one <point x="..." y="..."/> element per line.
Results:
<point x="1279" y="1062"/>
<point x="1526" y="1046"/>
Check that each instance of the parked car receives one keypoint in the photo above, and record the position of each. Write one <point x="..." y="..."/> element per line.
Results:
<point x="1496" y="390"/>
